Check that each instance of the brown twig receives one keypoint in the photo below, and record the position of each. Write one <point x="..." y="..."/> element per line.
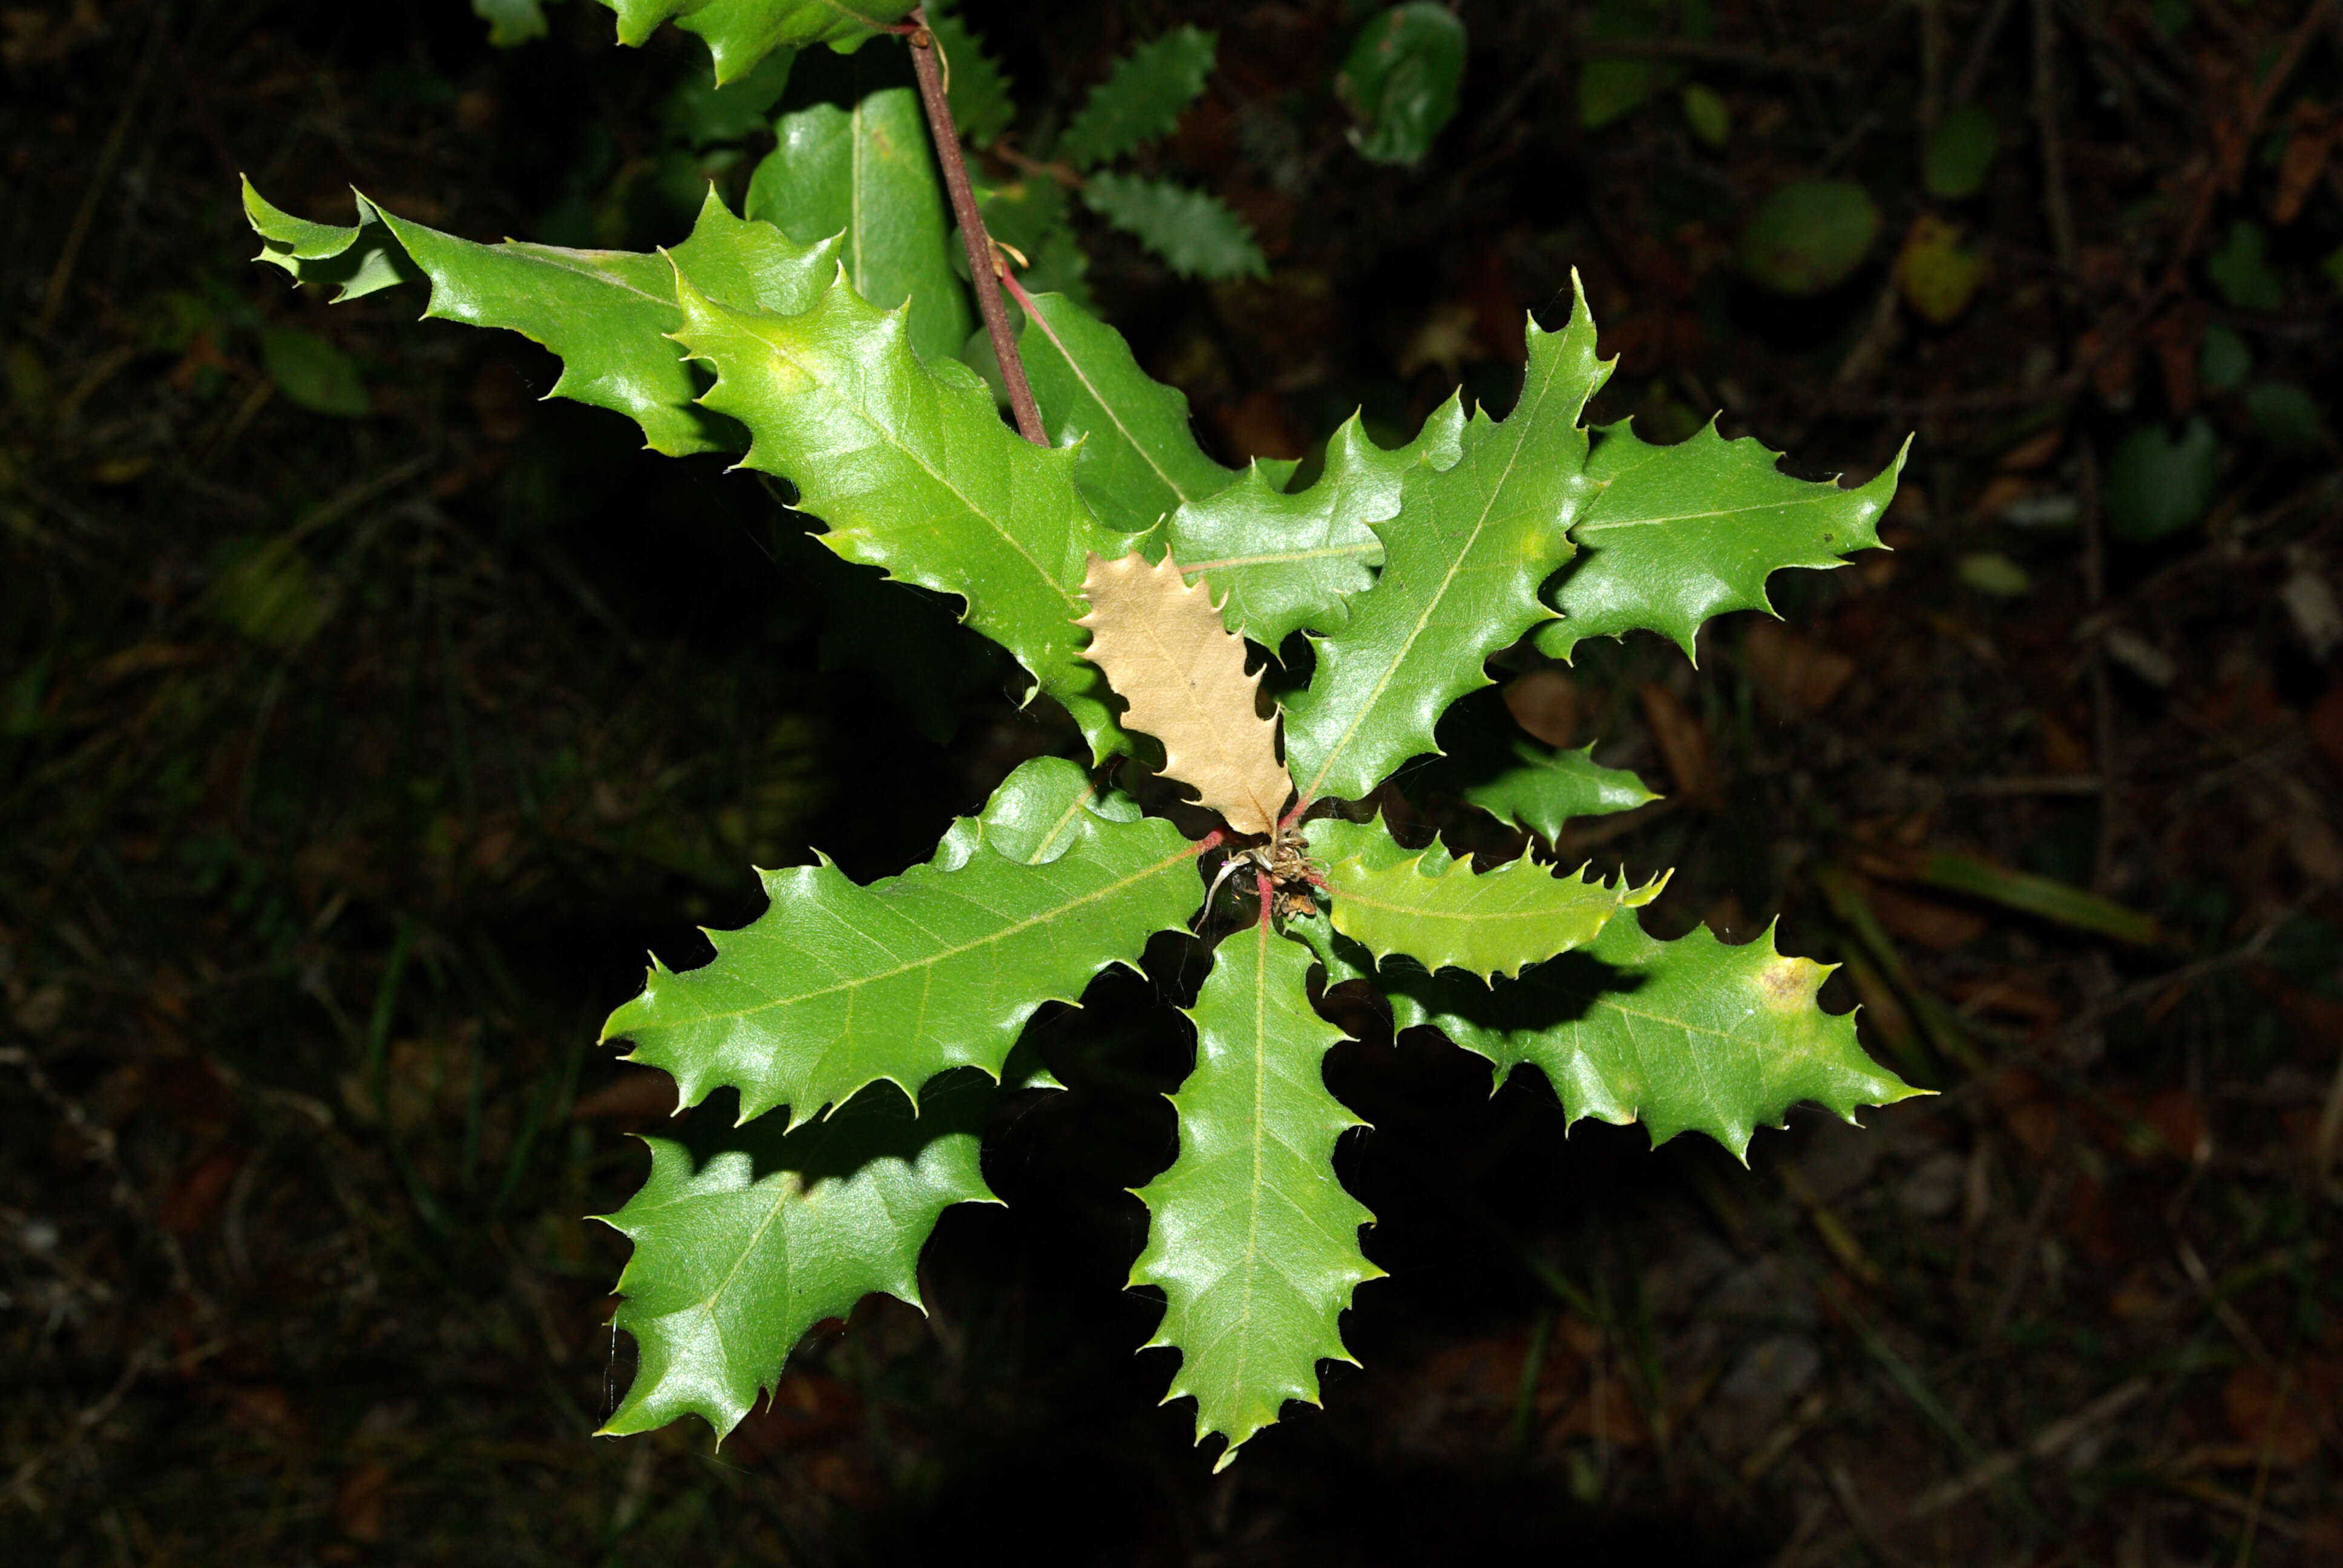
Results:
<point x="53" y="299"/>
<point x="1965" y="85"/>
<point x="981" y="264"/>
<point x="2224" y="175"/>
<point x="2055" y="205"/>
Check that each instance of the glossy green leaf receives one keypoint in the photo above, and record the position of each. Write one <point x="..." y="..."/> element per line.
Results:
<point x="1252" y="1240"/>
<point x="354" y="262"/>
<point x="836" y="986"/>
<point x="1679" y="534"/>
<point x="913" y="471"/>
<point x="1141" y="99"/>
<point x="1685" y="1036"/>
<point x="740" y="33"/>
<point x="1517" y="779"/>
<point x="1809" y="235"/>
<point x="1462" y="563"/>
<point x="1435" y="909"/>
<point x="607" y="314"/>
<point x="1137" y="457"/>
<point x="1400" y="80"/>
<point x="1959" y="152"/>
<point x="868" y="174"/>
<point x="313" y="373"/>
<point x="1193" y="232"/>
<point x="976" y="87"/>
<point x="1293" y="562"/>
<point x="2159" y="483"/>
<point x="745" y="1236"/>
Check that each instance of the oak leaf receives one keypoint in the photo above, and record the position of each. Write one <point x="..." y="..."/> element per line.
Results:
<point x="1170" y="656"/>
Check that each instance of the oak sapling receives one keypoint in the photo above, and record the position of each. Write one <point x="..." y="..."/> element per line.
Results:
<point x="1134" y="579"/>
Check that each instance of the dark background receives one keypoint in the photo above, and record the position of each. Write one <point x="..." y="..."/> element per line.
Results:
<point x="349" y="766"/>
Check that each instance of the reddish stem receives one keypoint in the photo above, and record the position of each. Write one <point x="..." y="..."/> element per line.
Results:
<point x="983" y="270"/>
<point x="1260" y="883"/>
<point x="1211" y="841"/>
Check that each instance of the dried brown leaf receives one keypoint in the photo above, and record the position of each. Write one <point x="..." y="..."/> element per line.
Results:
<point x="1168" y="655"/>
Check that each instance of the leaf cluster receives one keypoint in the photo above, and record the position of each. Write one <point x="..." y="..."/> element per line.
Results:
<point x="859" y="1033"/>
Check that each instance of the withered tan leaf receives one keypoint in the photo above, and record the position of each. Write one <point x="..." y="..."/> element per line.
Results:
<point x="1182" y="672"/>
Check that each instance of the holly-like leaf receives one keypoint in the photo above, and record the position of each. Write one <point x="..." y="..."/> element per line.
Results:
<point x="1490" y="763"/>
<point x="976" y="87"/>
<point x="1181" y="672"/>
<point x="745" y="1236"/>
<point x="740" y="33"/>
<point x="1461" y="564"/>
<point x="607" y="314"/>
<point x="1400" y="79"/>
<point x="868" y="174"/>
<point x="1681" y="533"/>
<point x="1251" y="1238"/>
<point x="1141" y="99"/>
<point x="1685" y="1036"/>
<point x="1435" y="909"/>
<point x="914" y="472"/>
<point x="1290" y="563"/>
<point x="836" y="986"/>
<point x="1138" y="459"/>
<point x="1542" y="786"/>
<point x="354" y="262"/>
<point x="1195" y="233"/>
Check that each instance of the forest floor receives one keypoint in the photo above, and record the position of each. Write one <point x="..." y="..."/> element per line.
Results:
<point x="349" y="762"/>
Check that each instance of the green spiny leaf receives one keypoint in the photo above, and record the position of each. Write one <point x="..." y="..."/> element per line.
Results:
<point x="1462" y="564"/>
<point x="1435" y="909"/>
<point x="608" y="314"/>
<point x="1195" y="234"/>
<point x="1137" y="459"/>
<point x="740" y="33"/>
<point x="355" y="261"/>
<point x="1544" y="787"/>
<point x="914" y="472"/>
<point x="1141" y="100"/>
<point x="1681" y="533"/>
<point x="837" y="987"/>
<point x="1294" y="562"/>
<point x="1490" y="763"/>
<point x="977" y="90"/>
<point x="869" y="175"/>
<point x="1252" y="1240"/>
<point x="1689" y="1035"/>
<point x="745" y="1236"/>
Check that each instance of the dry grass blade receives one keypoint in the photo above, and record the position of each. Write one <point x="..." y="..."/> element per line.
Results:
<point x="1182" y="672"/>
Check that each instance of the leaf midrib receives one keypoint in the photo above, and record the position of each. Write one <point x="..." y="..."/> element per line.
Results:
<point x="1066" y="596"/>
<point x="1107" y="409"/>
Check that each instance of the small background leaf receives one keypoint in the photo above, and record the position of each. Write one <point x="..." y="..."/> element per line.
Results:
<point x="1401" y="80"/>
<point x="1141" y="100"/>
<point x="1809" y="235"/>
<point x="2158" y="483"/>
<point x="313" y="373"/>
<point x="1960" y="152"/>
<point x="1194" y="233"/>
